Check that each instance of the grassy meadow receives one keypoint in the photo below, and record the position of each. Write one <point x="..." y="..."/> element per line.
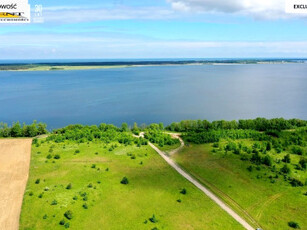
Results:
<point x="78" y="186"/>
<point x="257" y="192"/>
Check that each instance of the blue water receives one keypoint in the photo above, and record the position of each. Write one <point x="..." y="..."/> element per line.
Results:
<point x="154" y="94"/>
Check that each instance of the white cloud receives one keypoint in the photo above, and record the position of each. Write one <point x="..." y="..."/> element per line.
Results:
<point x="263" y="9"/>
<point x="80" y="14"/>
<point x="36" y="46"/>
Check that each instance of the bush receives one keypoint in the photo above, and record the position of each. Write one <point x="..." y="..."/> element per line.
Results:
<point x="250" y="168"/>
<point x="297" y="150"/>
<point x="90" y="185"/>
<point x="124" y="180"/>
<point x="93" y="166"/>
<point x="68" y="214"/>
<point x="285" y="169"/>
<point x="303" y="163"/>
<point x="67" y="225"/>
<point x="295" y="182"/>
<point x="85" y="206"/>
<point x="49" y="156"/>
<point x="57" y="156"/>
<point x="37" y="181"/>
<point x="69" y="186"/>
<point x="77" y="151"/>
<point x="62" y="222"/>
<point x="293" y="224"/>
<point x="153" y="219"/>
<point x="287" y="158"/>
<point x="267" y="160"/>
<point x="183" y="191"/>
<point x="54" y="202"/>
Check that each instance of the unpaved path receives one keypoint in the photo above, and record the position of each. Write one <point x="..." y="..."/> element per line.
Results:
<point x="198" y="185"/>
<point x="14" y="170"/>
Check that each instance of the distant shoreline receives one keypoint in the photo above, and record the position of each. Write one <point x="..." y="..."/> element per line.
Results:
<point x="56" y="66"/>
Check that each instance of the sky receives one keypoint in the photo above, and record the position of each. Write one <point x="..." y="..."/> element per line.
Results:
<point x="122" y="29"/>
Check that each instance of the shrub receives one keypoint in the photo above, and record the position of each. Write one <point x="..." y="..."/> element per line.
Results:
<point x="293" y="224"/>
<point x="69" y="186"/>
<point x="62" y="222"/>
<point x="124" y="180"/>
<point x="303" y="163"/>
<point x="31" y="193"/>
<point x="45" y="216"/>
<point x="54" y="202"/>
<point x="90" y="185"/>
<point x="285" y="169"/>
<point x="179" y="201"/>
<point x="183" y="191"/>
<point x="267" y="160"/>
<point x="287" y="158"/>
<point x="93" y="166"/>
<point x="40" y="195"/>
<point x="67" y="225"/>
<point x="297" y="150"/>
<point x="49" y="156"/>
<point x="85" y="206"/>
<point x="37" y="181"/>
<point x="77" y="151"/>
<point x="68" y="214"/>
<point x="295" y="182"/>
<point x="153" y="219"/>
<point x="75" y="198"/>
<point x="250" y="168"/>
<point x="57" y="156"/>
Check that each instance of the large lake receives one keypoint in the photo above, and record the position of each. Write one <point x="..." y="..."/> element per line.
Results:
<point x="154" y="94"/>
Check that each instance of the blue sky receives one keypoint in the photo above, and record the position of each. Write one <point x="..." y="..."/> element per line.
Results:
<point x="157" y="29"/>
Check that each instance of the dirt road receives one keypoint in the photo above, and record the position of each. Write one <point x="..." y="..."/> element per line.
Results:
<point x="200" y="186"/>
<point x="14" y="170"/>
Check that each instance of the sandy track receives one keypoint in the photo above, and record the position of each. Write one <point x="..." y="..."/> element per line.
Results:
<point x="201" y="187"/>
<point x="14" y="171"/>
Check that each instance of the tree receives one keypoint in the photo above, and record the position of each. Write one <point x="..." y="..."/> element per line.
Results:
<point x="42" y="128"/>
<point x="16" y="130"/>
<point x="125" y="127"/>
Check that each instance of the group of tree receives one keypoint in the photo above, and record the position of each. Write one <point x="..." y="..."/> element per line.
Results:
<point x="259" y="124"/>
<point x="24" y="130"/>
<point x="158" y="137"/>
<point x="104" y="132"/>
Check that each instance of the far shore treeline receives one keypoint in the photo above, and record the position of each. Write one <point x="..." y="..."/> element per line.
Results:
<point x="194" y="126"/>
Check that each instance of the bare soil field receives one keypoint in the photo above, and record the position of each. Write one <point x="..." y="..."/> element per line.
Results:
<point x="14" y="171"/>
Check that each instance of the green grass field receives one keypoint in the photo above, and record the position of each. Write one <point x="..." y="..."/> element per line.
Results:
<point x="271" y="203"/>
<point x="98" y="200"/>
